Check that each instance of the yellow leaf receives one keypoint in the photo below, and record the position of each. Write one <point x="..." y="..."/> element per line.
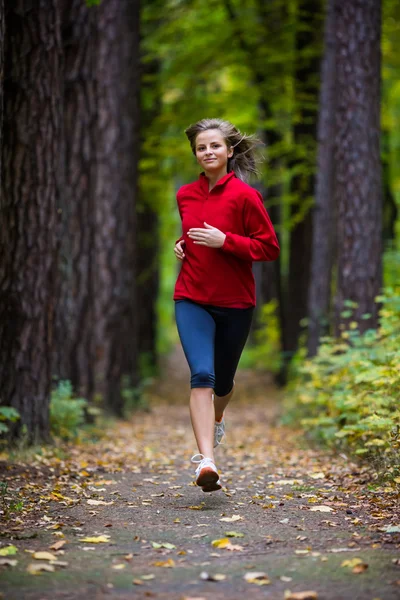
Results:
<point x="119" y="566"/>
<point x="8" y="550"/>
<point x="138" y="582"/>
<point x="209" y="577"/>
<point x="99" y="502"/>
<point x="101" y="539"/>
<point x="147" y="577"/>
<point x="318" y="475"/>
<point x="221" y="543"/>
<point x="200" y="507"/>
<point x="44" y="556"/>
<point x="352" y="562"/>
<point x="37" y="568"/>
<point x="164" y="563"/>
<point x="232" y="519"/>
<point x="8" y="562"/>
<point x="256" y="577"/>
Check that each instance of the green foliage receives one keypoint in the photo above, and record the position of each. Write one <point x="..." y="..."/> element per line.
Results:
<point x="347" y="396"/>
<point x="67" y="413"/>
<point x="8" y="503"/>
<point x="7" y="413"/>
<point x="265" y="352"/>
<point x="91" y="3"/>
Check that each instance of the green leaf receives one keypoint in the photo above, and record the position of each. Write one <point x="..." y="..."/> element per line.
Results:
<point x="8" y="551"/>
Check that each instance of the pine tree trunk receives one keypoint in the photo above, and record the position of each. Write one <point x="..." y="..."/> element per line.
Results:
<point x="28" y="212"/>
<point x="308" y="42"/>
<point x="74" y="347"/>
<point x="358" y="168"/>
<point x="324" y="214"/>
<point x="115" y="196"/>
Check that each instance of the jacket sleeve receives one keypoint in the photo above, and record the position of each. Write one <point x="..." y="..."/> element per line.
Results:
<point x="259" y="242"/>
<point x="180" y="214"/>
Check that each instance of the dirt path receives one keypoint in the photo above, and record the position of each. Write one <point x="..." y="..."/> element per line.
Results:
<point x="300" y="513"/>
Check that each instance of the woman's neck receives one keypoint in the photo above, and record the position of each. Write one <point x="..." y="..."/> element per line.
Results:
<point x="214" y="177"/>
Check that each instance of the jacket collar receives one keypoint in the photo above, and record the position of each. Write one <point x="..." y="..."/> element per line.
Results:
<point x="204" y="181"/>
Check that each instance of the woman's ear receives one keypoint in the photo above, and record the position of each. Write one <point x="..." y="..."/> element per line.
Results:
<point x="230" y="152"/>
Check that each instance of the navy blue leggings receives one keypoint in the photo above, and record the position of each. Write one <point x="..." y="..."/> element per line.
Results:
<point x="213" y="339"/>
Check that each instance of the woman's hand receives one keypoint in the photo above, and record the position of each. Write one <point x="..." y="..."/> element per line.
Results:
<point x="180" y="255"/>
<point x="210" y="236"/>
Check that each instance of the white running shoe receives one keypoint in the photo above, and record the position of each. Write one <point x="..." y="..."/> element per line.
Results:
<point x="206" y="473"/>
<point x="219" y="432"/>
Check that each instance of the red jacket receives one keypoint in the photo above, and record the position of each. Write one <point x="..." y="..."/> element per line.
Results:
<point x="223" y="276"/>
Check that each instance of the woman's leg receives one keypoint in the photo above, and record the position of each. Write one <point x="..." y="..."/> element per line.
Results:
<point x="232" y="330"/>
<point x="196" y="329"/>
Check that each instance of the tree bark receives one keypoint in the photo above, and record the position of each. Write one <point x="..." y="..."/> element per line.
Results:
<point x="28" y="212"/>
<point x="74" y="347"/>
<point x="358" y="190"/>
<point x="324" y="214"/>
<point x="1" y="75"/>
<point x="115" y="197"/>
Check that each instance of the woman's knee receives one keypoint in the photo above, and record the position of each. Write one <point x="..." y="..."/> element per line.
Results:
<point x="202" y="378"/>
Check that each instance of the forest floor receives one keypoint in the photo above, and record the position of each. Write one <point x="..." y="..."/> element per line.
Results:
<point x="121" y="517"/>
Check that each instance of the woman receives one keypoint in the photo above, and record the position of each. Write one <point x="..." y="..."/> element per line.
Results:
<point x="225" y="227"/>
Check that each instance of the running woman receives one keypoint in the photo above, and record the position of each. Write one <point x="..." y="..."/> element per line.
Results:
<point x="225" y="227"/>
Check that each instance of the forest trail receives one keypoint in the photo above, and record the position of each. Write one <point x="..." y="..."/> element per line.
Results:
<point x="135" y="525"/>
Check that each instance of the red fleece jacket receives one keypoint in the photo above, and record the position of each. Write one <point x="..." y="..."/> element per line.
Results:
<point x="223" y="276"/>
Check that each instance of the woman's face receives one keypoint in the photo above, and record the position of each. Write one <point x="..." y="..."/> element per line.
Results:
<point x="211" y="150"/>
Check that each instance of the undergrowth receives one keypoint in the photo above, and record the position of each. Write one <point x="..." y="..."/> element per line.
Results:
<point x="347" y="397"/>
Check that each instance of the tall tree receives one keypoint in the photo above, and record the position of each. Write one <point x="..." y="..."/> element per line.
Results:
<point x="358" y="168"/>
<point x="28" y="212"/>
<point x="74" y="347"/>
<point x="115" y="196"/>
<point x="324" y="212"/>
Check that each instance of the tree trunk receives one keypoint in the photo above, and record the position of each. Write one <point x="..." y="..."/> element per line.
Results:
<point x="28" y="212"/>
<point x="358" y="169"/>
<point x="1" y="75"/>
<point x="115" y="196"/>
<point x="308" y="43"/>
<point x="324" y="214"/>
<point x="74" y="347"/>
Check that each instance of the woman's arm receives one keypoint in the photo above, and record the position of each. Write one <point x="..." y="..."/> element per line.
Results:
<point x="260" y="242"/>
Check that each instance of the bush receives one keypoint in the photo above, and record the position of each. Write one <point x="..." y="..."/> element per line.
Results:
<point x="7" y="413"/>
<point x="265" y="353"/>
<point x="67" y="413"/>
<point x="347" y="396"/>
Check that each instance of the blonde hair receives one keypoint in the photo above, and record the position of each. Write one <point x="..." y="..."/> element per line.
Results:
<point x="244" y="161"/>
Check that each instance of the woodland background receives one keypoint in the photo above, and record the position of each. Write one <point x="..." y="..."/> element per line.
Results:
<point x="95" y="97"/>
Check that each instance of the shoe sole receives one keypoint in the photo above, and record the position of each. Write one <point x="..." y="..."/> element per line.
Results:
<point x="207" y="477"/>
<point x="212" y="487"/>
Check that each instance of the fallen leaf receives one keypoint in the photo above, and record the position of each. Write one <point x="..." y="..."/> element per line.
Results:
<point x="393" y="529"/>
<point x="163" y="545"/>
<point x="321" y="508"/>
<point x="221" y="543"/>
<point x="232" y="519"/>
<point x="8" y="551"/>
<point x="164" y="563"/>
<point x="147" y="577"/>
<point x="8" y="562"/>
<point x="37" y="568"/>
<point x="318" y="475"/>
<point x="234" y="534"/>
<point x="58" y="545"/>
<point x="360" y="568"/>
<point x="208" y="577"/>
<point x="352" y="562"/>
<point x="101" y="539"/>
<point x="138" y="582"/>
<point x="256" y="577"/>
<point x="309" y="595"/>
<point x="100" y="502"/>
<point x="119" y="566"/>
<point x="44" y="556"/>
